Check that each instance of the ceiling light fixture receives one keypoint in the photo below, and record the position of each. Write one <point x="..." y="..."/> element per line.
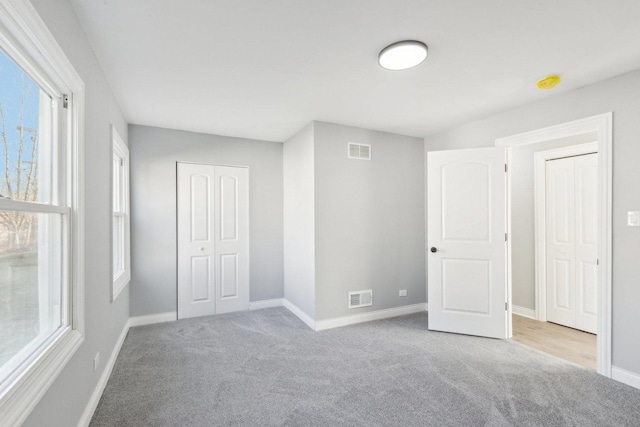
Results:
<point x="403" y="55"/>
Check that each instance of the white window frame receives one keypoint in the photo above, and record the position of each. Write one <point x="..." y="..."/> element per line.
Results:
<point x="121" y="278"/>
<point x="27" y="40"/>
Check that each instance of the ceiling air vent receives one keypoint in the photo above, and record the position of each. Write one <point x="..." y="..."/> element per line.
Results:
<point x="361" y="299"/>
<point x="358" y="151"/>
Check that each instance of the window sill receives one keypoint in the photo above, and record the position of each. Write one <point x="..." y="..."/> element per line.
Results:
<point x="21" y="395"/>
<point x="119" y="283"/>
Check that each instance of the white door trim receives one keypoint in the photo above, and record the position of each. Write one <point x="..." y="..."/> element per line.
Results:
<point x="602" y="124"/>
<point x="539" y="173"/>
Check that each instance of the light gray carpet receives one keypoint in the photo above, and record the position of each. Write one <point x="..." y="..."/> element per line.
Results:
<point x="266" y="368"/>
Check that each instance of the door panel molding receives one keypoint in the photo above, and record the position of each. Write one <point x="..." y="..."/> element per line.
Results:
<point x="456" y="298"/>
<point x="204" y="185"/>
<point x="228" y="209"/>
<point x="200" y="264"/>
<point x="228" y="276"/>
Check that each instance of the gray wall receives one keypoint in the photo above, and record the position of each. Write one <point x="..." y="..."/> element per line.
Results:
<point x="154" y="153"/>
<point x="369" y="220"/>
<point x="523" y="258"/>
<point x="66" y="399"/>
<point x="299" y="221"/>
<point x="619" y="95"/>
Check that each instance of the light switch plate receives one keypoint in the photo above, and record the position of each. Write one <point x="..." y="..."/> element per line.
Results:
<point x="633" y="218"/>
<point x="403" y="293"/>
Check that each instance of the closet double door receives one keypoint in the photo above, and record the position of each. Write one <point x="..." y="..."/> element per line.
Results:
<point x="571" y="220"/>
<point x="213" y="239"/>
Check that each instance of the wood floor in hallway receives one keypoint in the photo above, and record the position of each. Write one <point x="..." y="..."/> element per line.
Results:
<point x="567" y="343"/>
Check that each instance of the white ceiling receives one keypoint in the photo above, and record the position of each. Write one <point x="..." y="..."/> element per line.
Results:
<point x="264" y="69"/>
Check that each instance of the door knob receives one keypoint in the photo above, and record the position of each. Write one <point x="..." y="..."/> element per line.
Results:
<point x="434" y="250"/>
<point x="202" y="249"/>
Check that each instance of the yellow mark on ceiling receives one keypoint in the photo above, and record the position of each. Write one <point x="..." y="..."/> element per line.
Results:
<point x="549" y="82"/>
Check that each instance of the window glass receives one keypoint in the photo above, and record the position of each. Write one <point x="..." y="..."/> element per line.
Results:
<point x="30" y="282"/>
<point x="25" y="136"/>
<point x="118" y="242"/>
<point x="117" y="183"/>
<point x="118" y="215"/>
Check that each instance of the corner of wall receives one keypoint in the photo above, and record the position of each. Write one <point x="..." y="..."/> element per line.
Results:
<point x="299" y="221"/>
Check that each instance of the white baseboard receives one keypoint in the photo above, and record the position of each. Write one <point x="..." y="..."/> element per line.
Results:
<point x="524" y="312"/>
<point x="369" y="316"/>
<point x="627" y="377"/>
<point x="153" y="318"/>
<point x="266" y="303"/>
<point x="104" y="378"/>
<point x="301" y="314"/>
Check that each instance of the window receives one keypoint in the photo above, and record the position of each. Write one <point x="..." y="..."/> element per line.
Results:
<point x="120" y="231"/>
<point x="41" y="233"/>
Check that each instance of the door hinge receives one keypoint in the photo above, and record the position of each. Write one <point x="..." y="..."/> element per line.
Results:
<point x="65" y="101"/>
<point x="598" y="261"/>
<point x="505" y="237"/>
<point x="505" y="167"/>
<point x="506" y="306"/>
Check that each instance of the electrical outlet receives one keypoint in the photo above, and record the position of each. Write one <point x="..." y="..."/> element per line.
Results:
<point x="96" y="361"/>
<point x="403" y="293"/>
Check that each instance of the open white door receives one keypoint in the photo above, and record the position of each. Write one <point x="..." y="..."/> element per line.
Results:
<point x="213" y="239"/>
<point x="466" y="215"/>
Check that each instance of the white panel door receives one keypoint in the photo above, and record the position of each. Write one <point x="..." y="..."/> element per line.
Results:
<point x="586" y="196"/>
<point x="232" y="238"/>
<point x="213" y="239"/>
<point x="571" y="241"/>
<point x="196" y="241"/>
<point x="560" y="242"/>
<point x="466" y="213"/>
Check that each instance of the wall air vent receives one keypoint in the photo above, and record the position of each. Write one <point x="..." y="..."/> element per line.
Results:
<point x="361" y="299"/>
<point x="358" y="151"/>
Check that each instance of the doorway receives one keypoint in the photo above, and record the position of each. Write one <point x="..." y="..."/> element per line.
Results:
<point x="470" y="230"/>
<point x="213" y="239"/>
<point x="554" y="204"/>
<point x="534" y="304"/>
